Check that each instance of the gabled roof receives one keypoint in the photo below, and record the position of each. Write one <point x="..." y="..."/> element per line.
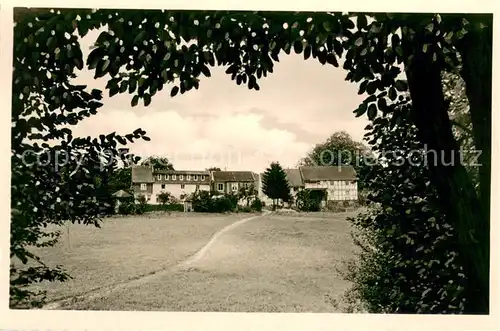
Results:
<point x="319" y="173"/>
<point x="294" y="178"/>
<point x="233" y="176"/>
<point x="142" y="174"/>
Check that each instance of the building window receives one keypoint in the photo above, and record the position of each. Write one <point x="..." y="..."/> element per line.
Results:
<point x="195" y="177"/>
<point x="159" y="177"/>
<point x="234" y="187"/>
<point x="220" y="187"/>
<point x="182" y="186"/>
<point x="181" y="177"/>
<point x="144" y="187"/>
<point x="202" y="177"/>
<point x="173" y="177"/>
<point x="162" y="186"/>
<point x="188" y="177"/>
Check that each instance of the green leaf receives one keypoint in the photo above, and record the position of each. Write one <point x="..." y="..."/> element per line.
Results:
<point x="123" y="86"/>
<point x="330" y="58"/>
<point x="322" y="57"/>
<point x="338" y="48"/>
<point x="371" y="98"/>
<point x="327" y="26"/>
<point x="395" y="40"/>
<point x="205" y="70"/>
<point x="371" y="88"/>
<point x="362" y="21"/>
<point x="105" y="65"/>
<point x="382" y="104"/>
<point x="401" y="85"/>
<point x="135" y="100"/>
<point x="297" y="46"/>
<point x="132" y="84"/>
<point x="372" y="111"/>
<point x="113" y="91"/>
<point x="174" y="91"/>
<point x="121" y="140"/>
<point x="140" y="37"/>
<point x="307" y="52"/>
<point x="51" y="43"/>
<point x="392" y="93"/>
<point x="362" y="87"/>
<point x="448" y="36"/>
<point x="147" y="99"/>
<point x="361" y="109"/>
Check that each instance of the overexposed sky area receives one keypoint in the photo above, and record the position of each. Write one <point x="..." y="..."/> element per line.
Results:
<point x="229" y="126"/>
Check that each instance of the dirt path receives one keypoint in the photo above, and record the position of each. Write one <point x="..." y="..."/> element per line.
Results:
<point x="106" y="290"/>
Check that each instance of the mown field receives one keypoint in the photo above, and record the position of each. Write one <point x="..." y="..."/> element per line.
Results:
<point x="274" y="263"/>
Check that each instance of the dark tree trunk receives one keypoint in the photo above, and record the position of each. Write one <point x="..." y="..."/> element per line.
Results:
<point x="454" y="186"/>
<point x="476" y="51"/>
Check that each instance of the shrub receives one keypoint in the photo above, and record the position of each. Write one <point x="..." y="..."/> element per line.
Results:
<point x="166" y="207"/>
<point x="362" y="198"/>
<point x="207" y="202"/>
<point x="224" y="204"/>
<point x="140" y="207"/>
<point x="257" y="204"/>
<point x="126" y="208"/>
<point x="164" y="197"/>
<point x="203" y="202"/>
<point x="408" y="262"/>
<point x="308" y="201"/>
<point x="245" y="209"/>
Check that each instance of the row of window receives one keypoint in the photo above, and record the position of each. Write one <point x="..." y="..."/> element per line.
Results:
<point x="234" y="186"/>
<point x="342" y="182"/>
<point x="144" y="186"/>
<point x="181" y="177"/>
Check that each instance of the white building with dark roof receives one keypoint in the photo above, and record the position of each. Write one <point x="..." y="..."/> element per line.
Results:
<point x="338" y="183"/>
<point x="179" y="183"/>
<point x="232" y="181"/>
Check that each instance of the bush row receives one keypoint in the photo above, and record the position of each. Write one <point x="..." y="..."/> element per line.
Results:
<point x="210" y="202"/>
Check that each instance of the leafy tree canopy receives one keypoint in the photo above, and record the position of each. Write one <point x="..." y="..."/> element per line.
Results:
<point x="158" y="163"/>
<point x="176" y="47"/>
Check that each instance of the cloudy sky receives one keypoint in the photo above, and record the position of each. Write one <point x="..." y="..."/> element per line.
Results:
<point x="225" y="125"/>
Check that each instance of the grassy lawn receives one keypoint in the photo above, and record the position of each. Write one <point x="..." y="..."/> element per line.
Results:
<point x="127" y="247"/>
<point x="277" y="263"/>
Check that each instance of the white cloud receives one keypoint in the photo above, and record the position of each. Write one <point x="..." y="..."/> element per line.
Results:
<point x="298" y="105"/>
<point x="233" y="141"/>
